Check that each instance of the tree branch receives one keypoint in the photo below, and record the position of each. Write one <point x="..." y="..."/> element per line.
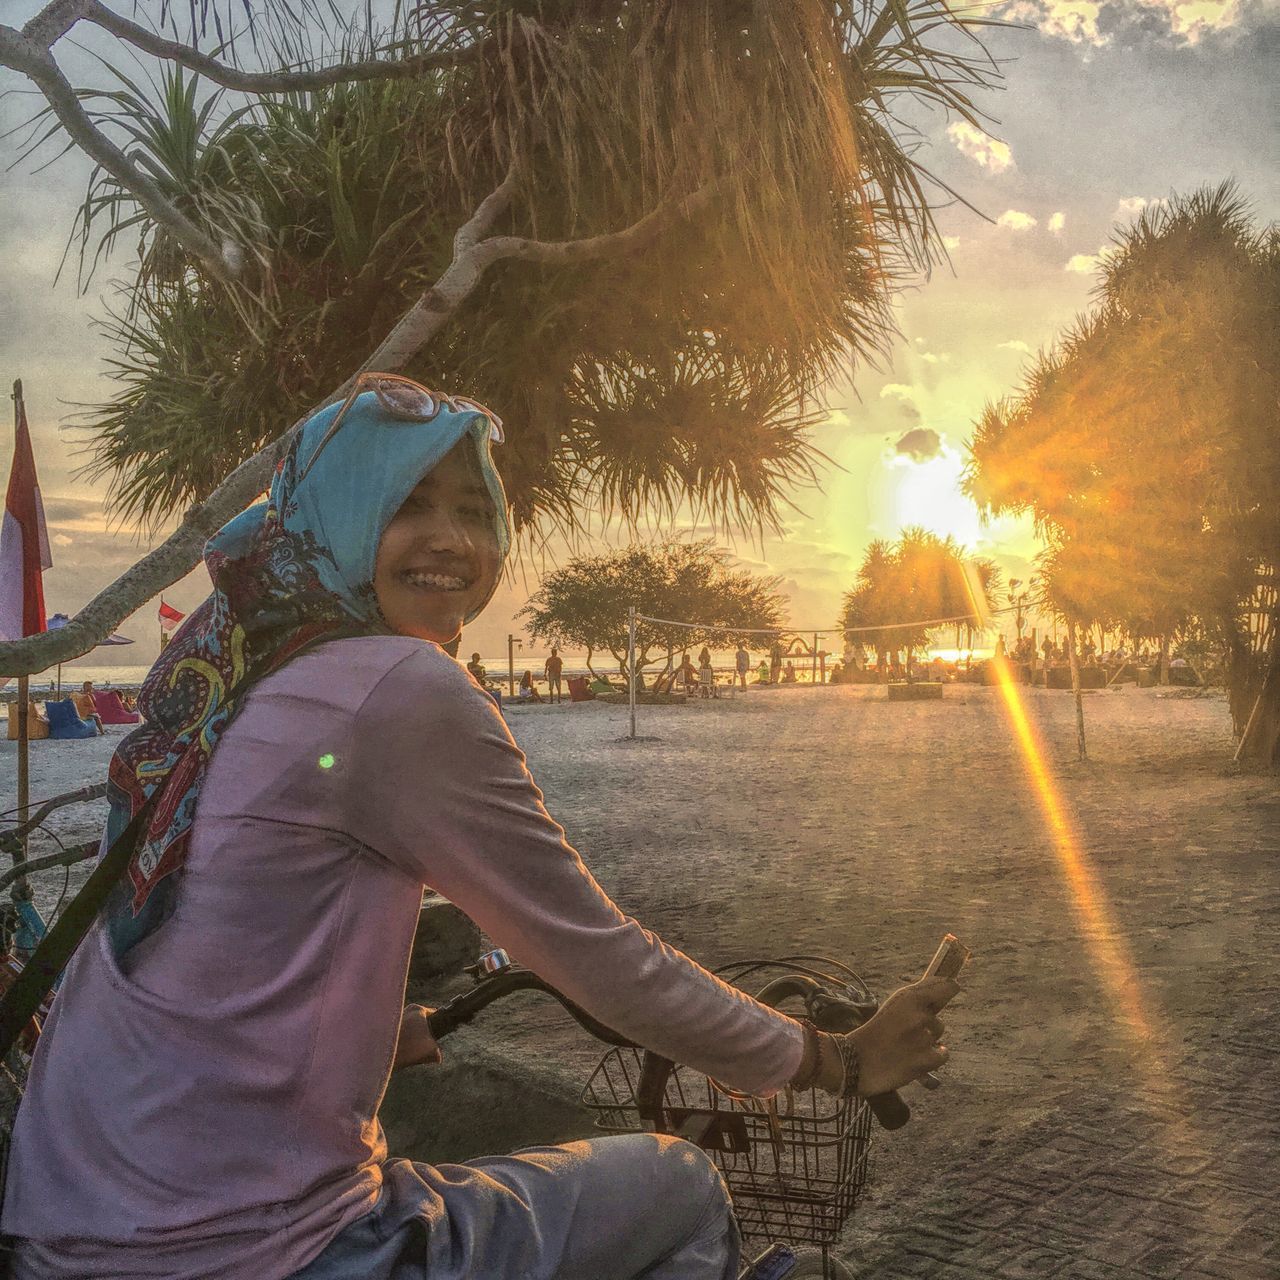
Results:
<point x="29" y="57"/>
<point x="181" y="551"/>
<point x="270" y="81"/>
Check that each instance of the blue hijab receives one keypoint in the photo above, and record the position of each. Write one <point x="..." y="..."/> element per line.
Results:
<point x="288" y="573"/>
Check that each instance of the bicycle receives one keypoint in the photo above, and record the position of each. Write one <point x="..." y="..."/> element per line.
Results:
<point x="794" y="1172"/>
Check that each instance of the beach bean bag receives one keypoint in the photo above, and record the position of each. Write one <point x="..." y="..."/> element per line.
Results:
<point x="65" y="722"/>
<point x="578" y="691"/>
<point x="109" y="706"/>
<point x="37" y="725"/>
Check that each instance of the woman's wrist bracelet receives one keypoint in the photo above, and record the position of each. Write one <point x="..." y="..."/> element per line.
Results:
<point x="851" y="1064"/>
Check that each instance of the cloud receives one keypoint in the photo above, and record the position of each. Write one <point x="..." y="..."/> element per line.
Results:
<point x="61" y="540"/>
<point x="1014" y="344"/>
<point x="1093" y="22"/>
<point x="1016" y="220"/>
<point x="1074" y="20"/>
<point x="903" y="399"/>
<point x="920" y="444"/>
<point x="1056" y="222"/>
<point x="60" y="510"/>
<point x="1130" y="205"/>
<point x="987" y="152"/>
<point x="1086" y="263"/>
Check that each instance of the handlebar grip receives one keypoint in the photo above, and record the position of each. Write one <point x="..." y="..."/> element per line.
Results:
<point x="889" y="1109"/>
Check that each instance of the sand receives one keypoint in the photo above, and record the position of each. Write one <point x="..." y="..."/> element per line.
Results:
<point x="830" y="821"/>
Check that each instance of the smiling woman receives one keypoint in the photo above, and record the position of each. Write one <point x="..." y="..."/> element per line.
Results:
<point x="439" y="558"/>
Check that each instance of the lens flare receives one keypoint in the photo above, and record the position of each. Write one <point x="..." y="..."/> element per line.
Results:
<point x="1116" y="970"/>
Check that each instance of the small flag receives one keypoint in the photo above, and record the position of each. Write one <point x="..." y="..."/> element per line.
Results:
<point x="169" y="617"/>
<point x="24" y="540"/>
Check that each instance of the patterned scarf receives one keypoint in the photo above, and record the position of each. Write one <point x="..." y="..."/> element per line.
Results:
<point x="288" y="573"/>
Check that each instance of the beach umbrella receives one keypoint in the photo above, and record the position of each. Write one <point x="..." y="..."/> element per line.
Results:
<point x="60" y="620"/>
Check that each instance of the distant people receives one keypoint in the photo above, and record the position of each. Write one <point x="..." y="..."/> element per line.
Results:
<point x="762" y="672"/>
<point x="1002" y="650"/>
<point x="742" y="664"/>
<point x="476" y="667"/>
<point x="789" y="675"/>
<point x="688" y="672"/>
<point x="86" y="708"/>
<point x="1046" y="650"/>
<point x="775" y="660"/>
<point x="552" y="669"/>
<point x="527" y="692"/>
<point x="706" y="675"/>
<point x="837" y="672"/>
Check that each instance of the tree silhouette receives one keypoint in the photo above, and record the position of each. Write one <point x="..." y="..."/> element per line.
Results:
<point x="1146" y="445"/>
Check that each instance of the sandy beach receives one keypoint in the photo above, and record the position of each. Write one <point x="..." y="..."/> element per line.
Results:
<point x="831" y="821"/>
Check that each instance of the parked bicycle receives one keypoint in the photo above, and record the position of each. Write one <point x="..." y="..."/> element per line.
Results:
<point x="795" y="1169"/>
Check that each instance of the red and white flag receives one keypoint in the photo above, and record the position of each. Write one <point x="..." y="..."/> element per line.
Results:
<point x="169" y="618"/>
<point x="24" y="542"/>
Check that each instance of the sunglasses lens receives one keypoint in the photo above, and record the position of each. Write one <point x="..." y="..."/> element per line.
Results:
<point x="496" y="434"/>
<point x="406" y="399"/>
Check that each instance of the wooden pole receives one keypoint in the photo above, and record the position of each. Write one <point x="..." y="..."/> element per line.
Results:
<point x="511" y="666"/>
<point x="631" y="666"/>
<point x="1074" y="659"/>
<point x="813" y="678"/>
<point x="24" y="776"/>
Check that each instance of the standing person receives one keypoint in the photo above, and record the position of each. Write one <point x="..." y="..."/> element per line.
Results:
<point x="775" y="660"/>
<point x="552" y="669"/>
<point x="742" y="665"/>
<point x="322" y="758"/>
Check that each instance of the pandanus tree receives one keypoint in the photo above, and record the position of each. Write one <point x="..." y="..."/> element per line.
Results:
<point x="906" y="591"/>
<point x="1147" y="446"/>
<point x="645" y="233"/>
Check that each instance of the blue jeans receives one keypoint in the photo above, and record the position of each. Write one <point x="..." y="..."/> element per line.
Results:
<point x="624" y="1208"/>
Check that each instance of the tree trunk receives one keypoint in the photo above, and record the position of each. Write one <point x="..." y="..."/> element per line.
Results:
<point x="595" y="675"/>
<point x="1260" y="743"/>
<point x="1164" y="659"/>
<point x="1074" y="658"/>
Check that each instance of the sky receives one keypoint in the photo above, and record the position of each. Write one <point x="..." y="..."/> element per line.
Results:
<point x="1106" y="108"/>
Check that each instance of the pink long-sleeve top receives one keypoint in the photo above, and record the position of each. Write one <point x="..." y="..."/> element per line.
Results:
<point x="211" y="1110"/>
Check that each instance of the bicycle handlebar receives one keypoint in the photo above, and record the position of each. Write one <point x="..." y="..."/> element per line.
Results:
<point x="828" y="1011"/>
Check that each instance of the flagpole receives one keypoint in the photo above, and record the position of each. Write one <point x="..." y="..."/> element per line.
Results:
<point x="24" y="694"/>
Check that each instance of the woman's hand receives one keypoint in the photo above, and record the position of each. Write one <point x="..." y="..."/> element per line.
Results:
<point x="416" y="1046"/>
<point x="900" y="1043"/>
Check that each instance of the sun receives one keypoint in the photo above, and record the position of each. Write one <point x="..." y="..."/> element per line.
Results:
<point x="927" y="493"/>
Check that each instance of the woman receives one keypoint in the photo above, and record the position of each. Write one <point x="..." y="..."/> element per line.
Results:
<point x="204" y="1099"/>
<point x="527" y="689"/>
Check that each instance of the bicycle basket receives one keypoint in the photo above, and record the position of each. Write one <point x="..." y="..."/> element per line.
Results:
<point x="798" y="1181"/>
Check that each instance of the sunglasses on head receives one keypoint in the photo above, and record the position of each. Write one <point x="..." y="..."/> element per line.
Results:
<point x="406" y="401"/>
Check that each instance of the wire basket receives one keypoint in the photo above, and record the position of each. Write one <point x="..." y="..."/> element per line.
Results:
<point x="795" y="1179"/>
